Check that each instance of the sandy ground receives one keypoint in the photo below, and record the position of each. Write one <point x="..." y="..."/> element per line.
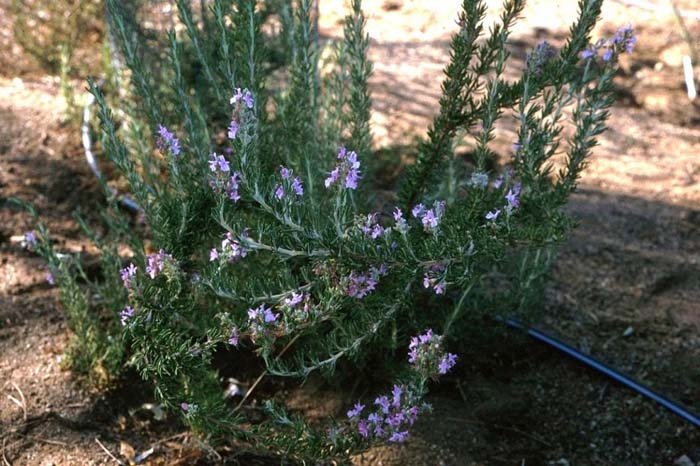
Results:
<point x="625" y="287"/>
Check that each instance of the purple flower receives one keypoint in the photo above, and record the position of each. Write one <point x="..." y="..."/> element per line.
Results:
<point x="447" y="363"/>
<point x="426" y="281"/>
<point x="156" y="263"/>
<point x="375" y="418"/>
<point x="232" y="187"/>
<point x="185" y="406"/>
<point x="362" y="428"/>
<point x="625" y="36"/>
<point x="540" y="56"/>
<point x="167" y="141"/>
<point x="439" y="288"/>
<point x="356" y="410"/>
<point x="359" y="286"/>
<point x="261" y="320"/>
<point x="30" y="238"/>
<point x="49" y="278"/>
<point x="427" y="356"/>
<point x="298" y="187"/>
<point x="126" y="314"/>
<point x="398" y="437"/>
<point x="396" y="392"/>
<point x="223" y="164"/>
<point x="213" y="255"/>
<point x="127" y="274"/>
<point x="429" y="220"/>
<point x="383" y="403"/>
<point x="418" y="210"/>
<point x="352" y="178"/>
<point x="396" y="419"/>
<point x="294" y="300"/>
<point x="412" y="415"/>
<point x="269" y="316"/>
<point x="233" y="339"/>
<point x="512" y="199"/>
<point x="231" y="250"/>
<point x="434" y="278"/>
<point x="218" y="163"/>
<point x="348" y="168"/>
<point x="233" y="130"/>
<point x="245" y="96"/>
<point x="498" y="182"/>
<point x="493" y="215"/>
<point x="332" y="177"/>
<point x="400" y="222"/>
<point x="371" y="228"/>
<point x="589" y="53"/>
<point x="285" y="173"/>
<point x="279" y="192"/>
<point x="342" y="152"/>
<point x="608" y="54"/>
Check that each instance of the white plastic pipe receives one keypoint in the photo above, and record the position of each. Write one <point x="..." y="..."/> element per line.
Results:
<point x="689" y="78"/>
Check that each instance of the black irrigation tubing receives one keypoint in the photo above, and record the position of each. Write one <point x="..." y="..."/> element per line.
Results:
<point x="513" y="323"/>
<point x="605" y="369"/>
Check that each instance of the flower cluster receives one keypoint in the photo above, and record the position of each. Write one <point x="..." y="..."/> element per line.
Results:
<point x="430" y="218"/>
<point x="435" y="278"/>
<point x="390" y="420"/>
<point x="126" y="314"/>
<point x="167" y="142"/>
<point x="261" y="320"/>
<point x="289" y="181"/>
<point x="623" y="41"/>
<point x="299" y="307"/>
<point x="221" y="180"/>
<point x="371" y="229"/>
<point x="428" y="357"/>
<point x="234" y="337"/>
<point x="347" y="170"/>
<point x="244" y="96"/>
<point x="242" y="99"/>
<point x="360" y="285"/>
<point x="128" y="274"/>
<point x="231" y="250"/>
<point x="400" y="223"/>
<point x="155" y="263"/>
<point x="512" y="198"/>
<point x="542" y="53"/>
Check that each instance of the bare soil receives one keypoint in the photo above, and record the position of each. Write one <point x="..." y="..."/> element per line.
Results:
<point x="625" y="286"/>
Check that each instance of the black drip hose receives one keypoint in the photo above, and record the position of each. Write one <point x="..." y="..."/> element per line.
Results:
<point x="605" y="369"/>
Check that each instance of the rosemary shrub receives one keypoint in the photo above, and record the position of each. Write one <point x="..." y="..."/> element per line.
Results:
<point x="257" y="234"/>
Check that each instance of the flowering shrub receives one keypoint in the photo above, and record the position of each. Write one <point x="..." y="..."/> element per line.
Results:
<point x="259" y="236"/>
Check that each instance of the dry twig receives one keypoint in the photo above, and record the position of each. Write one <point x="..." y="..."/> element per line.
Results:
<point x="22" y="402"/>
<point x="108" y="452"/>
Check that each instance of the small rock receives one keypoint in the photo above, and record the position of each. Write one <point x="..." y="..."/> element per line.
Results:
<point x="673" y="55"/>
<point x="684" y="461"/>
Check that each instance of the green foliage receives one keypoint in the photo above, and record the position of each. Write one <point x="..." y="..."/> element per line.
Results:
<point x="235" y="259"/>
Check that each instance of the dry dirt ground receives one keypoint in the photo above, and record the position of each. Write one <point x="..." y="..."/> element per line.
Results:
<point x="625" y="287"/>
